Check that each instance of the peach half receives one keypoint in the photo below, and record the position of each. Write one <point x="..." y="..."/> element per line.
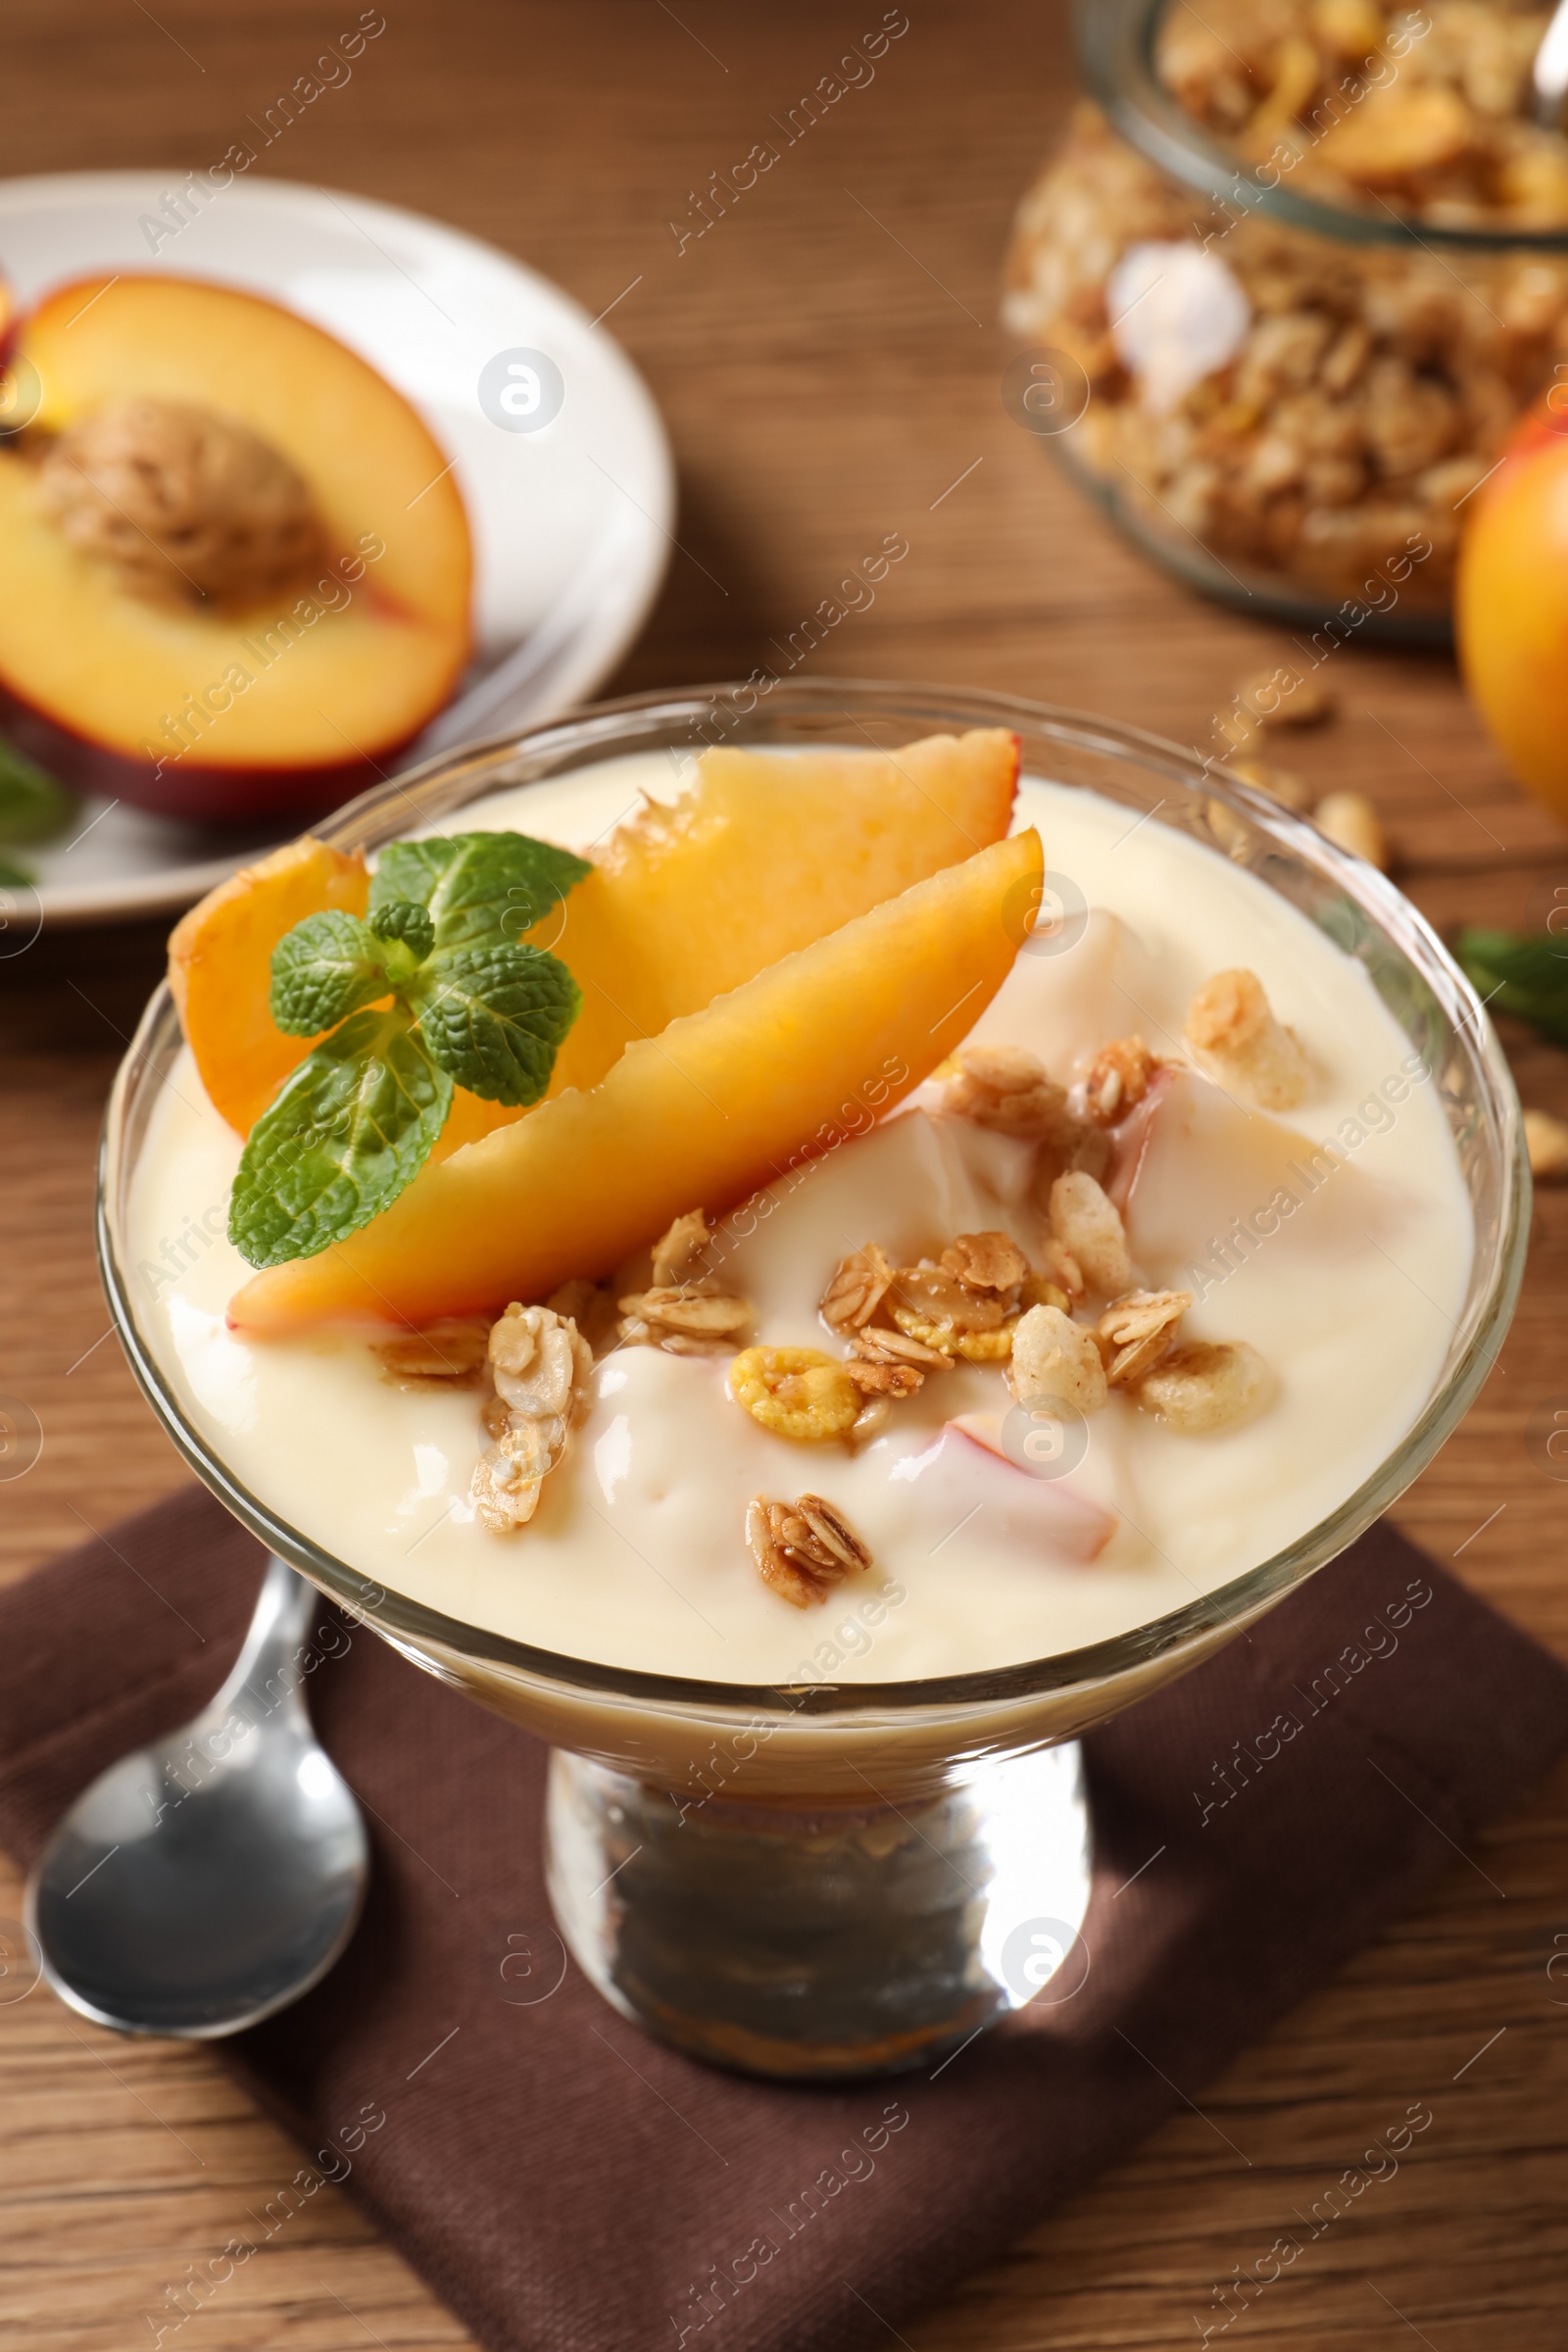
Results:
<point x="269" y="699"/>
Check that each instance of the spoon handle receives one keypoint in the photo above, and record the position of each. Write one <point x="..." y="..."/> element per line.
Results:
<point x="279" y="1626"/>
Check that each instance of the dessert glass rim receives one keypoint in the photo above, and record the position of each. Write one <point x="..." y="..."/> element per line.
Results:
<point x="1114" y="42"/>
<point x="583" y="738"/>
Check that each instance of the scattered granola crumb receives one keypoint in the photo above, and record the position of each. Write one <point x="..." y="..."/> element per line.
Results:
<point x="1088" y="1225"/>
<point x="1205" y="1386"/>
<point x="449" y="1353"/>
<point x="1232" y="1030"/>
<point x="1137" y="1331"/>
<point x="855" y="1287"/>
<point x="1118" y="1080"/>
<point x="802" y="1549"/>
<point x="1055" y="1362"/>
<point x="796" y="1392"/>
<point x="1350" y="818"/>
<point x="1285" y="699"/>
<point x="1546" y="1142"/>
<point x="540" y="1364"/>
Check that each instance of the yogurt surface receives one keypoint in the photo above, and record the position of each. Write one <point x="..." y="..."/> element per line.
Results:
<point x="637" y="1555"/>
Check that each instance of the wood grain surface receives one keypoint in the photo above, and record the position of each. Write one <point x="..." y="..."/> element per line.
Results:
<point x="828" y="359"/>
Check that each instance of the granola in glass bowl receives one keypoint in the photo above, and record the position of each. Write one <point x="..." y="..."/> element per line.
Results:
<point x="1280" y="381"/>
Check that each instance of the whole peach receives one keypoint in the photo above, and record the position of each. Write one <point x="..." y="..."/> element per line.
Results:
<point x="1511" y="605"/>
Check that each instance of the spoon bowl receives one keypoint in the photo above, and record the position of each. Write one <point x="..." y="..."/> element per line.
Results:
<point x="210" y="1878"/>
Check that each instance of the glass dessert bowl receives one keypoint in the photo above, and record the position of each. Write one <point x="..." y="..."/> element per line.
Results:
<point x="823" y="1855"/>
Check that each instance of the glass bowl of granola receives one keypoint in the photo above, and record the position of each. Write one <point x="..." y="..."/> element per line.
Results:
<point x="1012" y="1205"/>
<point x="1290" y="283"/>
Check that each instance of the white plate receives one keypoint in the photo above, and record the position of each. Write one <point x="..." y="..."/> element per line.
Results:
<point x="571" y="522"/>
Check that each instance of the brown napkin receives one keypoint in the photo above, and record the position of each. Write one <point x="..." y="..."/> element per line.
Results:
<point x="567" y="2186"/>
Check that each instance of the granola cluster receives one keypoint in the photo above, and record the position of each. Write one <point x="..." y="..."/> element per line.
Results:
<point x="1064" y="1329"/>
<point x="1365" y="392"/>
<point x="539" y="1365"/>
<point x="903" y="1322"/>
<point x="802" y="1549"/>
<point x="685" y="1311"/>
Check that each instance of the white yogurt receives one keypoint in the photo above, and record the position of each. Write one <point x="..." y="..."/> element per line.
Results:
<point x="637" y="1558"/>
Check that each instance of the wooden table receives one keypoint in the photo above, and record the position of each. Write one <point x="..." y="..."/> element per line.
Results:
<point x="828" y="359"/>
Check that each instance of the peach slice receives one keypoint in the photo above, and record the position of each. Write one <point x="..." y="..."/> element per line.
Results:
<point x="220" y="969"/>
<point x="761" y="852"/>
<point x="714" y="1105"/>
<point x="192" y="709"/>
<point x="759" y="856"/>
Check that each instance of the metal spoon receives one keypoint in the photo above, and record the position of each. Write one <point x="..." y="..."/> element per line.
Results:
<point x="211" y="1877"/>
<point x="1548" y="78"/>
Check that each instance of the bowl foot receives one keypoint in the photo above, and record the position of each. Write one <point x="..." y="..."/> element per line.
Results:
<point x="816" y="1941"/>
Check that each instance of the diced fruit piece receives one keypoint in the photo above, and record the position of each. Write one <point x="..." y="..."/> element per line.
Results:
<point x="220" y="969"/>
<point x="712" y="1108"/>
<point x="1031" y="1514"/>
<point x="195" y="708"/>
<point x="762" y="852"/>
<point x="1193" y="1160"/>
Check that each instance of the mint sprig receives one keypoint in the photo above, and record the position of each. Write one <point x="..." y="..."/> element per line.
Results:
<point x="458" y="1001"/>
<point x="1522" y="974"/>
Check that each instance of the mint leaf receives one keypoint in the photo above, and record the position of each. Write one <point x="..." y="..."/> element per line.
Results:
<point x="343" y="1136"/>
<point x="481" y="889"/>
<point x="325" y="967"/>
<point x="408" y="923"/>
<point x="1522" y="975"/>
<point x="495" y="1018"/>
<point x="33" y="806"/>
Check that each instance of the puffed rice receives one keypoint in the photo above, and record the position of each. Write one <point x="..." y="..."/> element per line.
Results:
<point x="1088" y="1224"/>
<point x="1205" y="1386"/>
<point x="1236" y="1037"/>
<point x="1056" y="1363"/>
